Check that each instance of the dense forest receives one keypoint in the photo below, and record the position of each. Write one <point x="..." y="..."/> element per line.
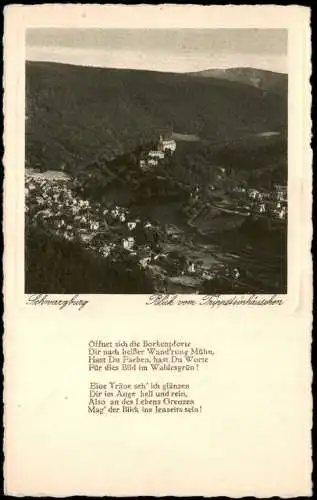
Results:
<point x="76" y="114"/>
<point x="72" y="269"/>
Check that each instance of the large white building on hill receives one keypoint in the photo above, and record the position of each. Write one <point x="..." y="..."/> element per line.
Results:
<point x="167" y="144"/>
<point x="156" y="154"/>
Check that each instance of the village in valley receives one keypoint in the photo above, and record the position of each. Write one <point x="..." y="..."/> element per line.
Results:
<point x="177" y="257"/>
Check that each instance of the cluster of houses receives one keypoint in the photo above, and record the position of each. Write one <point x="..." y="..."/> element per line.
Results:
<point x="153" y="157"/>
<point x="266" y="203"/>
<point x="55" y="205"/>
<point x="273" y="204"/>
<point x="53" y="202"/>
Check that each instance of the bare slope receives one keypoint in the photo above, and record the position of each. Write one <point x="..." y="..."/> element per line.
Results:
<point x="262" y="79"/>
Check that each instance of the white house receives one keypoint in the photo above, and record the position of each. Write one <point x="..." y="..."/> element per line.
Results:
<point x="207" y="275"/>
<point x="253" y="193"/>
<point x="191" y="267"/>
<point x="169" y="144"/>
<point x="153" y="162"/>
<point x="145" y="261"/>
<point x="115" y="212"/>
<point x="83" y="203"/>
<point x="156" y="154"/>
<point x="131" y="225"/>
<point x="68" y="235"/>
<point x="262" y="208"/>
<point x="282" y="213"/>
<point x="75" y="210"/>
<point x="105" y="250"/>
<point x="128" y="243"/>
<point x="239" y="189"/>
<point x="94" y="225"/>
<point x="236" y="273"/>
<point x="281" y="192"/>
<point x="143" y="164"/>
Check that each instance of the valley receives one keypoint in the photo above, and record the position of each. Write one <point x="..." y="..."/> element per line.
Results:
<point x="209" y="216"/>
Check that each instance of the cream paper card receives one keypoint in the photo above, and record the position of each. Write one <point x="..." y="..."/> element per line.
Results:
<point x="157" y="319"/>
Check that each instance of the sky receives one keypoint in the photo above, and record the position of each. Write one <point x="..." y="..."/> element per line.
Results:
<point x="171" y="50"/>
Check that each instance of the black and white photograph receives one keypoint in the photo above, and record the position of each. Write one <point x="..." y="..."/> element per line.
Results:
<point x="156" y="161"/>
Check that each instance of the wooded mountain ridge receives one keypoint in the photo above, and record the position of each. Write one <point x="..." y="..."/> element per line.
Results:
<point x="75" y="114"/>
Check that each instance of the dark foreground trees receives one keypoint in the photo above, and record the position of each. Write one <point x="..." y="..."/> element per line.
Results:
<point x="54" y="265"/>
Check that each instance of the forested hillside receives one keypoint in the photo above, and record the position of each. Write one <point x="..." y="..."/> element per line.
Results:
<point x="76" y="114"/>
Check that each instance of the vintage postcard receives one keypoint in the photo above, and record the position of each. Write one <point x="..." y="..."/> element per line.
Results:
<point x="157" y="223"/>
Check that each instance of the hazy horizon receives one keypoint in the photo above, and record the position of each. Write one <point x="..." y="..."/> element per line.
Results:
<point x="156" y="70"/>
<point x="163" y="50"/>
